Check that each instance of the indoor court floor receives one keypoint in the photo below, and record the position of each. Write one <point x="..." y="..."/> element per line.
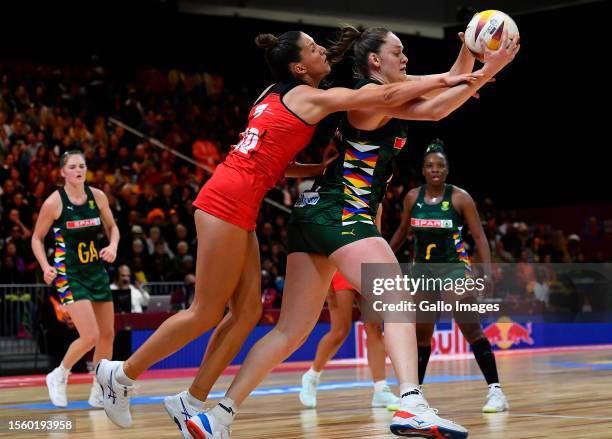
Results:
<point x="554" y="393"/>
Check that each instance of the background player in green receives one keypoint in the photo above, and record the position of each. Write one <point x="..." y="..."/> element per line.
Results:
<point x="77" y="212"/>
<point x="436" y="213"/>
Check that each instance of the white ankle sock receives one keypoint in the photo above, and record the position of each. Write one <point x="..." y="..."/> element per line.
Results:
<point x="122" y="378"/>
<point x="408" y="387"/>
<point x="225" y="411"/>
<point x="411" y="396"/>
<point x="193" y="401"/>
<point x="313" y="373"/>
<point x="379" y="386"/>
<point x="62" y="369"/>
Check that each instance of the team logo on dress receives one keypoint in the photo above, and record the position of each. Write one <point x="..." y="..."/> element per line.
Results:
<point x="259" y="110"/>
<point x="92" y="205"/>
<point x="445" y="205"/>
<point x="399" y="142"/>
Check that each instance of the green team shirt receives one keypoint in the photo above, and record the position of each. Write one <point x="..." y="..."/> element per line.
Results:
<point x="437" y="230"/>
<point x="352" y="187"/>
<point x="80" y="271"/>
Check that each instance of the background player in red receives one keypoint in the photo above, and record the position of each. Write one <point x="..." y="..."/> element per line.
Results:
<point x="281" y="123"/>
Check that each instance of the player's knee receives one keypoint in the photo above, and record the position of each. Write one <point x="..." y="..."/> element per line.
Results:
<point x="106" y="334"/>
<point x="339" y="332"/>
<point x="294" y="337"/>
<point x="201" y="320"/>
<point x="248" y="312"/>
<point x="251" y="313"/>
<point x="91" y="337"/>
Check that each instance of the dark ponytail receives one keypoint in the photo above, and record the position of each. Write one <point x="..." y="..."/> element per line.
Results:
<point x="280" y="52"/>
<point x="266" y="41"/>
<point x="348" y="36"/>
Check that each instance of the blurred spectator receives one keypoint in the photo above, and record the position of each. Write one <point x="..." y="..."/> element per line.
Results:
<point x="205" y="151"/>
<point x="189" y="289"/>
<point x="140" y="298"/>
<point x="526" y="274"/>
<point x="574" y="249"/>
<point x="269" y="294"/>
<point x="541" y="289"/>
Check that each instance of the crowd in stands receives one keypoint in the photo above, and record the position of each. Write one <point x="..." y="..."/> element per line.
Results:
<point x="46" y="110"/>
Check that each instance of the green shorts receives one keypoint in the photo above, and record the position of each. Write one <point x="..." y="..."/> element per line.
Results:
<point x="325" y="239"/>
<point x="97" y="293"/>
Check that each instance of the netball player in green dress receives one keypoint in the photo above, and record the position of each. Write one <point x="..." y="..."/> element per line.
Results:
<point x="77" y="213"/>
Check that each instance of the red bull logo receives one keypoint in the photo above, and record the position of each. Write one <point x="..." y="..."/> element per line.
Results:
<point x="506" y="333"/>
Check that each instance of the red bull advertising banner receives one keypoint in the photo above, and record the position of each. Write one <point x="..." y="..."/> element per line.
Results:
<point x="505" y="334"/>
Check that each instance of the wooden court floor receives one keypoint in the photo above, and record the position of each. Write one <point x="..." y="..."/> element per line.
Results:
<point x="552" y="395"/>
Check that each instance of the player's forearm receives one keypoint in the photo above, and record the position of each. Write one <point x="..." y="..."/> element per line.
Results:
<point x="451" y="99"/>
<point x="397" y="94"/>
<point x="114" y="236"/>
<point x="484" y="252"/>
<point x="38" y="248"/>
<point x="464" y="62"/>
<point x="398" y="239"/>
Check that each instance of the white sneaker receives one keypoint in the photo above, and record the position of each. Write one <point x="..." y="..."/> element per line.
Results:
<point x="56" y="383"/>
<point x="496" y="401"/>
<point x="115" y="396"/>
<point x="96" y="396"/>
<point x="308" y="392"/>
<point x="386" y="398"/>
<point x="420" y="420"/>
<point x="179" y="410"/>
<point x="204" y="425"/>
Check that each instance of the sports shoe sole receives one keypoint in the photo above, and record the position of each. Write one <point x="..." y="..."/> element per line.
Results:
<point x="436" y="432"/>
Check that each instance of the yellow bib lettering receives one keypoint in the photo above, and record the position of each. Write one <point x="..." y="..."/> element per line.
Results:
<point x="430" y="247"/>
<point x="93" y="252"/>
<point x="87" y="255"/>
